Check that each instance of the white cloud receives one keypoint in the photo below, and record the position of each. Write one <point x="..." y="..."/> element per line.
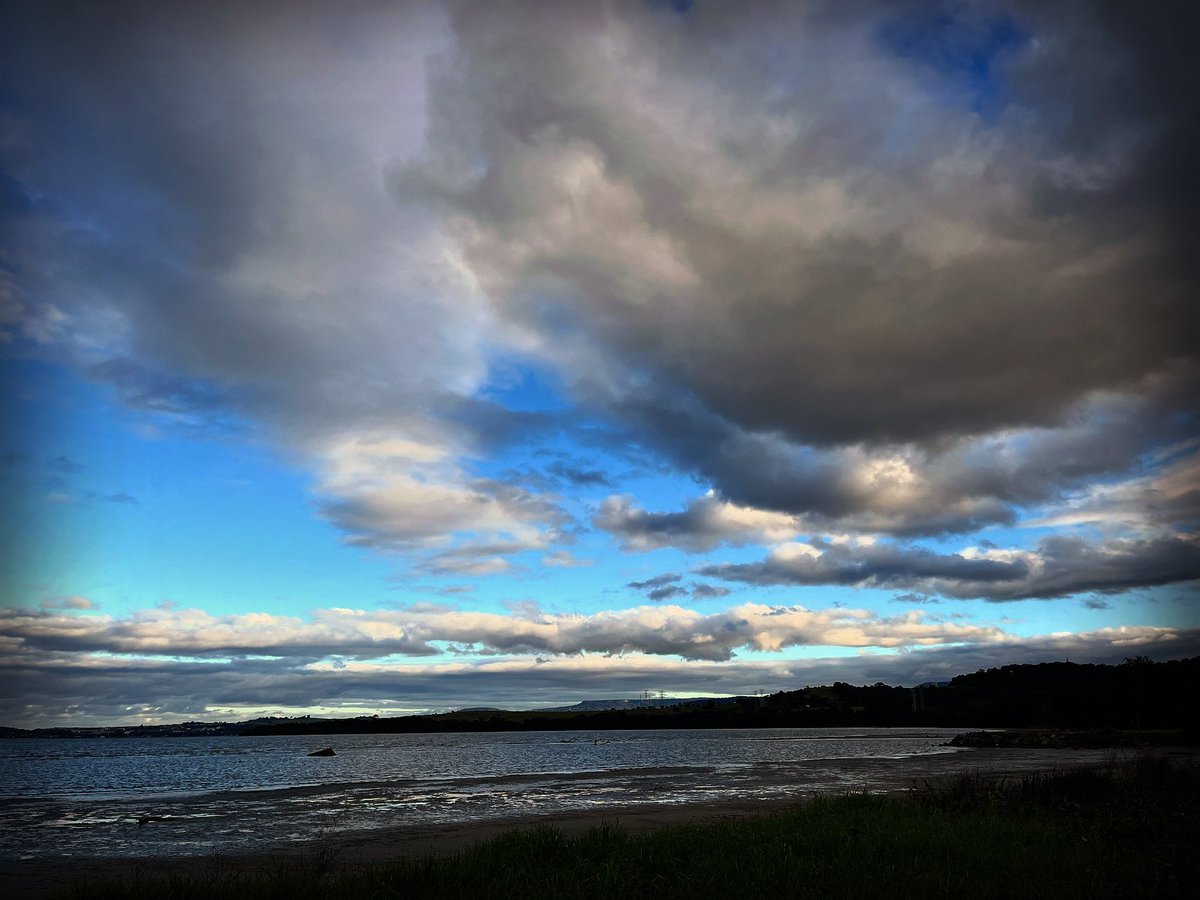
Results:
<point x="707" y="522"/>
<point x="391" y="492"/>
<point x="666" y="630"/>
<point x="565" y="559"/>
<point x="68" y="601"/>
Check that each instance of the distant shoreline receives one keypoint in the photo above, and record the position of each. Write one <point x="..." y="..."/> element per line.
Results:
<point x="1138" y="695"/>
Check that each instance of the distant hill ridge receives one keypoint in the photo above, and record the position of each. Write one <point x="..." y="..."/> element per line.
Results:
<point x="1138" y="694"/>
<point x="639" y="703"/>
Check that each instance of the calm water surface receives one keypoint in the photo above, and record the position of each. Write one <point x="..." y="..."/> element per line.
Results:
<point x="195" y="796"/>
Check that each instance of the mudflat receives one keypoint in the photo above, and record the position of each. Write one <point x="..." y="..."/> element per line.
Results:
<point x="47" y="875"/>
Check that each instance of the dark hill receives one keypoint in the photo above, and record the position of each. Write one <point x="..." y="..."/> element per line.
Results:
<point x="1136" y="695"/>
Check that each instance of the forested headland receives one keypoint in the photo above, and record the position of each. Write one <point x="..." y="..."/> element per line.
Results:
<point x="1138" y="695"/>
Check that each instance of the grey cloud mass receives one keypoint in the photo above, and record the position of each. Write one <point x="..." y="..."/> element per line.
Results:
<point x="666" y="586"/>
<point x="706" y="523"/>
<point x="783" y="255"/>
<point x="885" y="310"/>
<point x="656" y="582"/>
<point x="956" y="486"/>
<point x="1060" y="566"/>
<point x="815" y="284"/>
<point x="232" y="260"/>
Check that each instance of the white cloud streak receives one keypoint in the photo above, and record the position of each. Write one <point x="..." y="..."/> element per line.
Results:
<point x="664" y="630"/>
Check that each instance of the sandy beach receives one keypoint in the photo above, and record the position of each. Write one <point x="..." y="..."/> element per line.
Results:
<point x="47" y="875"/>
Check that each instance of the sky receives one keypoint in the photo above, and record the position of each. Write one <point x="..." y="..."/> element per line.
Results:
<point x="378" y="358"/>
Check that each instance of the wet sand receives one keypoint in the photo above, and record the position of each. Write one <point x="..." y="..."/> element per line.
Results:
<point x="46" y="876"/>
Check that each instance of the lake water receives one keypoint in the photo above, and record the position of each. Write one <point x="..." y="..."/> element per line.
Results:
<point x="199" y="796"/>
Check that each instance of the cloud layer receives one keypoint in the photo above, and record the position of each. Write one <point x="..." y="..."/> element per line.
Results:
<point x="892" y="309"/>
<point x="1060" y="566"/>
<point x="83" y="688"/>
<point x="659" y="630"/>
<point x="783" y="310"/>
<point x="820" y="295"/>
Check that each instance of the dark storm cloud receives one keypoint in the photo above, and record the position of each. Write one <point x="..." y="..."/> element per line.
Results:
<point x="665" y="586"/>
<point x="957" y="486"/>
<point x="1060" y="566"/>
<point x="1070" y="565"/>
<point x="879" y="565"/>
<point x="814" y="299"/>
<point x="815" y="273"/>
<point x="845" y="308"/>
<point x="715" y="226"/>
<point x="666" y="592"/>
<point x="1169" y="497"/>
<point x="1129" y="70"/>
<point x="656" y="582"/>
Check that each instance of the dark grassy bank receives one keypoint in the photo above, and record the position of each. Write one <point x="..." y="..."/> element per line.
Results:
<point x="1125" y="830"/>
<point x="1099" y="738"/>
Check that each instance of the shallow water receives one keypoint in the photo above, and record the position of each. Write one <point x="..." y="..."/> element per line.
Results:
<point x="198" y="796"/>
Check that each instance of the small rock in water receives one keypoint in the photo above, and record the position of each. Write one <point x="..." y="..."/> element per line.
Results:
<point x="328" y="751"/>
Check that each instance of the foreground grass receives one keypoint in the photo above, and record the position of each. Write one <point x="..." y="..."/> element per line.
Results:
<point x="1128" y="829"/>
